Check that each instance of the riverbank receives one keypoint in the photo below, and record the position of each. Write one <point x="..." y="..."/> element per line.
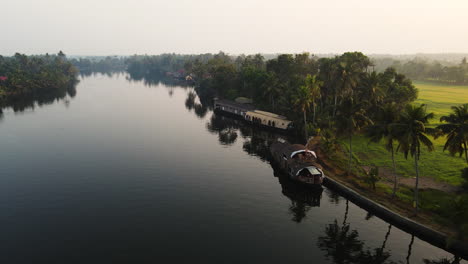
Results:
<point x="399" y="212"/>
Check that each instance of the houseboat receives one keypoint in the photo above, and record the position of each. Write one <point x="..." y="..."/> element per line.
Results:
<point x="298" y="162"/>
<point x="268" y="119"/>
<point x="232" y="108"/>
<point x="243" y="109"/>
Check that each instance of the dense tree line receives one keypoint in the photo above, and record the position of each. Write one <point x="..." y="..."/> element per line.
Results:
<point x="424" y="70"/>
<point x="290" y="84"/>
<point x="153" y="66"/>
<point x="109" y="64"/>
<point x="24" y="76"/>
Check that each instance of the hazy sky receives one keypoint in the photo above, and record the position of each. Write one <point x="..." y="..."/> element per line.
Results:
<point x="104" y="27"/>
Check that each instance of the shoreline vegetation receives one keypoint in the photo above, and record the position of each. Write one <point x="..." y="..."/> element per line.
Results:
<point x="25" y="80"/>
<point x="351" y="107"/>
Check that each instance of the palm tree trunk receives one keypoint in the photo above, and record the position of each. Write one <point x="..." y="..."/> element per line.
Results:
<point x="346" y="214"/>
<point x="334" y="108"/>
<point x="466" y="152"/>
<point x="416" y="198"/>
<point x="272" y="102"/>
<point x="385" y="240"/>
<point x="313" y="119"/>
<point x="394" y="172"/>
<point x="350" y="152"/>
<point x="305" y="127"/>
<point x="410" y="248"/>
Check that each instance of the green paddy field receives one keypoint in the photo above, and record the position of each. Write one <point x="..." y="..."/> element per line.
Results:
<point x="437" y="164"/>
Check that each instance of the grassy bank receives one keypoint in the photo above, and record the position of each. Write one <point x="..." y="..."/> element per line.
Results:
<point x="438" y="165"/>
<point x="438" y="204"/>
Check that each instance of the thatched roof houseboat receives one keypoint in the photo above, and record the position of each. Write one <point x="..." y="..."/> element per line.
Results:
<point x="298" y="162"/>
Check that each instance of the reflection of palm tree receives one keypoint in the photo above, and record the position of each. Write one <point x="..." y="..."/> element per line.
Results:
<point x="257" y="146"/>
<point x="378" y="256"/>
<point x="345" y="218"/>
<point x="226" y="129"/>
<point x="227" y="136"/>
<point x="298" y="209"/>
<point x="410" y="248"/>
<point x="190" y="101"/>
<point x="334" y="197"/>
<point x="341" y="243"/>
<point x="199" y="109"/>
<point x="343" y="246"/>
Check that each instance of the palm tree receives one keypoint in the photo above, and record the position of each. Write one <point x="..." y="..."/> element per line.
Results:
<point x="456" y="130"/>
<point x="272" y="89"/>
<point x="411" y="133"/>
<point x="313" y="84"/>
<point x="303" y="101"/>
<point x="385" y="117"/>
<point x="351" y="119"/>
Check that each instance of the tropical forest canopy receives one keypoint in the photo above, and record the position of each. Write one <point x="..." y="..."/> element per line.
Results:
<point x="25" y="79"/>
<point x="275" y="84"/>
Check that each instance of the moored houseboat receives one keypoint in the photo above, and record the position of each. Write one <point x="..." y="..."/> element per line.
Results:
<point x="298" y="162"/>
<point x="243" y="108"/>
<point x="268" y="119"/>
<point x="232" y="108"/>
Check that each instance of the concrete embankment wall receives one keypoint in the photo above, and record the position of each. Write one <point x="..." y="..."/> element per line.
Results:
<point x="423" y="232"/>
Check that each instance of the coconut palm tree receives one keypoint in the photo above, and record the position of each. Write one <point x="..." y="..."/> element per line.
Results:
<point x="303" y="101"/>
<point x="313" y="85"/>
<point x="272" y="89"/>
<point x="411" y="132"/>
<point x="456" y="130"/>
<point x="385" y="117"/>
<point x="351" y="119"/>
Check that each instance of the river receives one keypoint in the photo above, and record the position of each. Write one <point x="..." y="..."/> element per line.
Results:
<point x="128" y="171"/>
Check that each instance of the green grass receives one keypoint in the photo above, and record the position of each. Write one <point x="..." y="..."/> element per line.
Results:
<point x="437" y="164"/>
<point x="440" y="97"/>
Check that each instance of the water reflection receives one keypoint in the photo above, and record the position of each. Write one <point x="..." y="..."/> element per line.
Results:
<point x="23" y="103"/>
<point x="343" y="245"/>
<point x="200" y="108"/>
<point x="302" y="198"/>
<point x="156" y="79"/>
<point x="112" y="73"/>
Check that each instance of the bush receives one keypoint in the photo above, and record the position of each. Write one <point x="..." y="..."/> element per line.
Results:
<point x="372" y="177"/>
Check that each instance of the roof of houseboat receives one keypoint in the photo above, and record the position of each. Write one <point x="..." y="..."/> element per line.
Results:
<point x="270" y="114"/>
<point x="246" y="107"/>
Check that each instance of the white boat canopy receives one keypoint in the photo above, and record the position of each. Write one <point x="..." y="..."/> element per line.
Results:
<point x="302" y="151"/>
<point x="312" y="170"/>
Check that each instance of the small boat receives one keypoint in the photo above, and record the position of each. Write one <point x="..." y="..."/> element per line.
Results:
<point x="298" y="162"/>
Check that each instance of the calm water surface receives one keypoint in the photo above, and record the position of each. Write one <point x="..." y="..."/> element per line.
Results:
<point x="137" y="173"/>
